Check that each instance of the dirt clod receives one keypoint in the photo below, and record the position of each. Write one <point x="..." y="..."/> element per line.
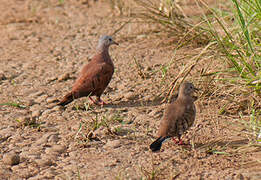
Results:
<point x="11" y="159"/>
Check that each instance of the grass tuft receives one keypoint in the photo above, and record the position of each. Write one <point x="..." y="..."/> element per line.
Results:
<point x="13" y="104"/>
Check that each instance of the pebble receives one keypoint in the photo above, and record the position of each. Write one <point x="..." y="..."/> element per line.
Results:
<point x="6" y="133"/>
<point x="41" y="98"/>
<point x="46" y="112"/>
<point x="54" y="138"/>
<point x="156" y="113"/>
<point x="147" y="98"/>
<point x="121" y="86"/>
<point x="30" y="102"/>
<point x="11" y="159"/>
<point x="57" y="108"/>
<point x="129" y="95"/>
<point x="64" y="77"/>
<point x="36" y="113"/>
<point x="38" y="93"/>
<point x="113" y="144"/>
<point x="44" y="162"/>
<point x="55" y="149"/>
<point x="51" y="100"/>
<point x="35" y="107"/>
<point x="2" y="76"/>
<point x="43" y="140"/>
<point x="51" y="79"/>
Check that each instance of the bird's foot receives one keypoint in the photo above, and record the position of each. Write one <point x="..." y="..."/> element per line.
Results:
<point x="179" y="141"/>
<point x="94" y="102"/>
<point x="99" y="102"/>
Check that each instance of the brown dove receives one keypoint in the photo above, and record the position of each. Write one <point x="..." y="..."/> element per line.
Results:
<point x="179" y="116"/>
<point x="95" y="76"/>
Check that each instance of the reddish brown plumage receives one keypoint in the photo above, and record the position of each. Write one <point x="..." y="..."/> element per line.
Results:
<point x="94" y="77"/>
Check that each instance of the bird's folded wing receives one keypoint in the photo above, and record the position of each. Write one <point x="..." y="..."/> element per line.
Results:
<point x="93" y="78"/>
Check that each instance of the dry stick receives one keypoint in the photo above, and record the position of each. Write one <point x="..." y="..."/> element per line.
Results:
<point x="187" y="69"/>
<point x="141" y="73"/>
<point x="121" y="27"/>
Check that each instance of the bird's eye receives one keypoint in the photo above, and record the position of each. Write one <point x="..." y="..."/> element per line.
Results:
<point x="110" y="39"/>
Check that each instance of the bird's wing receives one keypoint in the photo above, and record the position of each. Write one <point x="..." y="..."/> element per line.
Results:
<point x="168" y="122"/>
<point x="93" y="79"/>
<point x="186" y="120"/>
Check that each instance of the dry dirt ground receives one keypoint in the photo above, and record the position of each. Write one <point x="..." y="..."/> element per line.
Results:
<point x="43" y="45"/>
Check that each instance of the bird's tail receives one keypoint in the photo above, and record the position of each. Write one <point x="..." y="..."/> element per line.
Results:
<point x="68" y="98"/>
<point x="156" y="145"/>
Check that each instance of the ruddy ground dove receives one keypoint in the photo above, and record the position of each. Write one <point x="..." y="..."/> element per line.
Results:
<point x="179" y="116"/>
<point x="95" y="76"/>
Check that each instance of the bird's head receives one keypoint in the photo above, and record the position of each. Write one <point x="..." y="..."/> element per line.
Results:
<point x="187" y="89"/>
<point x="105" y="42"/>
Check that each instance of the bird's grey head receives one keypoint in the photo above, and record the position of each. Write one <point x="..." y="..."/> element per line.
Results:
<point x="187" y="89"/>
<point x="105" y="42"/>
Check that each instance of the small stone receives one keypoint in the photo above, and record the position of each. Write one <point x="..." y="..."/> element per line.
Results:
<point x="43" y="140"/>
<point x="113" y="144"/>
<point x="35" y="107"/>
<point x="38" y="93"/>
<point x="44" y="162"/>
<point x="100" y="132"/>
<point x="121" y="86"/>
<point x="41" y="98"/>
<point x="51" y="79"/>
<point x="51" y="100"/>
<point x="11" y="159"/>
<point x="57" y="108"/>
<point x="36" y="113"/>
<point x="156" y="113"/>
<point x="47" y="112"/>
<point x="59" y="148"/>
<point x="55" y="149"/>
<point x="64" y="77"/>
<point x="141" y="36"/>
<point x="2" y="76"/>
<point x="129" y="95"/>
<point x="54" y="138"/>
<point x="148" y="98"/>
<point x="240" y="177"/>
<point x="5" y="133"/>
<point x="30" y="102"/>
<point x="148" y="68"/>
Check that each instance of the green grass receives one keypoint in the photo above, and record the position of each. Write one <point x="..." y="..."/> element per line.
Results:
<point x="13" y="104"/>
<point x="240" y="46"/>
<point x="241" y="43"/>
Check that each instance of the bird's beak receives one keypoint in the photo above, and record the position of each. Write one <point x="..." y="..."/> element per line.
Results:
<point x="115" y="43"/>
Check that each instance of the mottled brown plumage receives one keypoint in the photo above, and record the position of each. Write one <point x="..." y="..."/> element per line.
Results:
<point x="95" y="76"/>
<point x="178" y="117"/>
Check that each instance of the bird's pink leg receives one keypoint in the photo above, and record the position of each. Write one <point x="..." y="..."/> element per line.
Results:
<point x="92" y="100"/>
<point x="179" y="142"/>
<point x="175" y="141"/>
<point x="101" y="102"/>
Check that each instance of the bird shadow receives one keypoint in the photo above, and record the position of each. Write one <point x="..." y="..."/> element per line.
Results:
<point x="140" y="103"/>
<point x="235" y="144"/>
<point x="126" y="104"/>
<point x="223" y="143"/>
<point x="134" y="103"/>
